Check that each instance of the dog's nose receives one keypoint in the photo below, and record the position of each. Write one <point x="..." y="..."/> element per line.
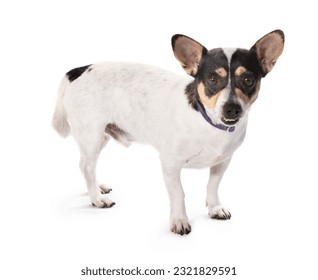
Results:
<point x="232" y="111"/>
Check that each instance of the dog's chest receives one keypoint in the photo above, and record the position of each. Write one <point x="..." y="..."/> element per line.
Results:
<point x="206" y="152"/>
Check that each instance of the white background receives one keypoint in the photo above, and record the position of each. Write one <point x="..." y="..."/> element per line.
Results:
<point x="48" y="228"/>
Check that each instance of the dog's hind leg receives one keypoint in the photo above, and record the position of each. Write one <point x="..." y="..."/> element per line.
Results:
<point x="91" y="142"/>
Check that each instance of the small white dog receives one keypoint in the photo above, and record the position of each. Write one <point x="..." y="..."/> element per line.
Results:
<point x="194" y="122"/>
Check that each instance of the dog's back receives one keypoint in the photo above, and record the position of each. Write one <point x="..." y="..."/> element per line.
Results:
<point x="129" y="95"/>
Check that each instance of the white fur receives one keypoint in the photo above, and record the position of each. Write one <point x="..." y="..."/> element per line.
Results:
<point x="229" y="52"/>
<point x="150" y="105"/>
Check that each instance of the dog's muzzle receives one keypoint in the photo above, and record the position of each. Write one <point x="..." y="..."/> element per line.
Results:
<point x="231" y="113"/>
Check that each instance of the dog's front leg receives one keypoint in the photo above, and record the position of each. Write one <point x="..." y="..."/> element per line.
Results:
<point x="179" y="222"/>
<point x="216" y="210"/>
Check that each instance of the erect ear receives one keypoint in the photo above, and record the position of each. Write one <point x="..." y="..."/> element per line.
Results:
<point x="189" y="53"/>
<point x="269" y="48"/>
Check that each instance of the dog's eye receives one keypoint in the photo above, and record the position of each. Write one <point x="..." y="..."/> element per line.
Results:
<point x="248" y="81"/>
<point x="213" y="80"/>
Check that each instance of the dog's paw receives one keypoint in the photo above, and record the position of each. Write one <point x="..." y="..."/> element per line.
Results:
<point x="180" y="226"/>
<point x="102" y="202"/>
<point x="104" y="189"/>
<point x="220" y="213"/>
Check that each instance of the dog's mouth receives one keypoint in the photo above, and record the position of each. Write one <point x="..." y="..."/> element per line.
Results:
<point x="229" y="121"/>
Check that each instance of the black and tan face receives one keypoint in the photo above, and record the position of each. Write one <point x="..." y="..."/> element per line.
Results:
<point x="227" y="81"/>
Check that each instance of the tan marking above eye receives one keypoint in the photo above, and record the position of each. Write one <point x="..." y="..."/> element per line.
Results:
<point x="221" y="71"/>
<point x="240" y="70"/>
<point x="208" y="102"/>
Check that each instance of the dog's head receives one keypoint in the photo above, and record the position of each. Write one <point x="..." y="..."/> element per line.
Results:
<point x="227" y="81"/>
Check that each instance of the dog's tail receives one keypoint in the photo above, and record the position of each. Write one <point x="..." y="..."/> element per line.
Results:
<point x="59" y="120"/>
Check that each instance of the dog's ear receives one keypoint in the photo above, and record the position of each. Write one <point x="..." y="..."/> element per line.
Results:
<point x="189" y="53"/>
<point x="269" y="48"/>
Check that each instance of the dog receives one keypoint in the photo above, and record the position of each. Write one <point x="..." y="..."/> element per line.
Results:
<point x="194" y="121"/>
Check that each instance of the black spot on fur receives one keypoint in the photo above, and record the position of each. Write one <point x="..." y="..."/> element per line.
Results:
<point x="211" y="61"/>
<point x="77" y="72"/>
<point x="254" y="72"/>
<point x="247" y="59"/>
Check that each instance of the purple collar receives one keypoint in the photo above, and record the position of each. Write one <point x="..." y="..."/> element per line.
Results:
<point x="208" y="119"/>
